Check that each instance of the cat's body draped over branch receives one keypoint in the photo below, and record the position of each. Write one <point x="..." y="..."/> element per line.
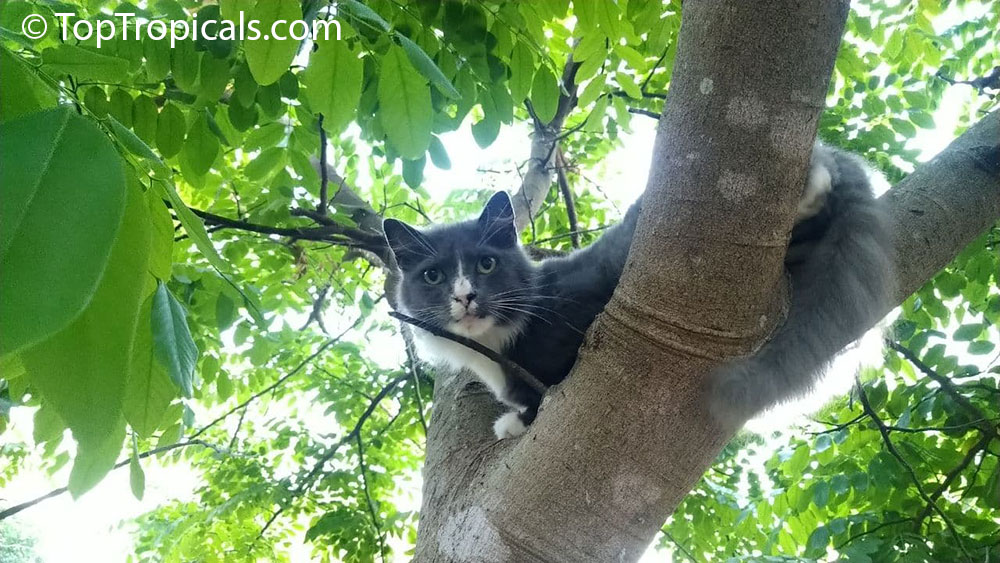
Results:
<point x="473" y="279"/>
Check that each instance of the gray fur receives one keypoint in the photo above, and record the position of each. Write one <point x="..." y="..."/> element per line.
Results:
<point x="839" y="262"/>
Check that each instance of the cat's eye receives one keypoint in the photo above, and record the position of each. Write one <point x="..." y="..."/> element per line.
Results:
<point x="487" y="264"/>
<point x="433" y="276"/>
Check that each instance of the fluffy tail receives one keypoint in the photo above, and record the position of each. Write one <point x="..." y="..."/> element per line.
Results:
<point x="841" y="267"/>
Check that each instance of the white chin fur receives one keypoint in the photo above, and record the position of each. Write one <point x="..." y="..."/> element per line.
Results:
<point x="508" y="426"/>
<point x="471" y="326"/>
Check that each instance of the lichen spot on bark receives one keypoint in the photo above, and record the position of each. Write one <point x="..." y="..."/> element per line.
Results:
<point x="468" y="535"/>
<point x="706" y="86"/>
<point x="736" y="186"/>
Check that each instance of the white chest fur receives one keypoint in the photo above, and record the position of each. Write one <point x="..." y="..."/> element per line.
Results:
<point x="444" y="353"/>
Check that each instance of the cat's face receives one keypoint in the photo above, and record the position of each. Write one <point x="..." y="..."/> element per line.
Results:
<point x="469" y="278"/>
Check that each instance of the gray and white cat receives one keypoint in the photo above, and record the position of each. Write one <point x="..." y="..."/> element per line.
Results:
<point x="474" y="279"/>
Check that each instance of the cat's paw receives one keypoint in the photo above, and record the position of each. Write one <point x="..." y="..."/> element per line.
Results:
<point x="509" y="426"/>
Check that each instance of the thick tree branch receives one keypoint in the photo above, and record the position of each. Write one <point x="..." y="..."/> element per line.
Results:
<point x="537" y="179"/>
<point x="715" y="216"/>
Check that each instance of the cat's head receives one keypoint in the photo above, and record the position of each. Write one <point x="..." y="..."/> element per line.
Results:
<point x="470" y="278"/>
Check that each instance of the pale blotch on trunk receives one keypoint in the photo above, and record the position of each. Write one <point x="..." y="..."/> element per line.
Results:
<point x="706" y="86"/>
<point x="736" y="186"/>
<point x="746" y="111"/>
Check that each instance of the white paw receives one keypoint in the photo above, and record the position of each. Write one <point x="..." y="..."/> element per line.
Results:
<point x="508" y="426"/>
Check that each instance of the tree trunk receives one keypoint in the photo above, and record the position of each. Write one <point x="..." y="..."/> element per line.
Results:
<point x="618" y="445"/>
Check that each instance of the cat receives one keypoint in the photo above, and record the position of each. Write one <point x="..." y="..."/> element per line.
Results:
<point x="473" y="279"/>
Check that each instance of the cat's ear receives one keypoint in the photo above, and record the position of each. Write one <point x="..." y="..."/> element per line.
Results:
<point x="496" y="223"/>
<point x="408" y="245"/>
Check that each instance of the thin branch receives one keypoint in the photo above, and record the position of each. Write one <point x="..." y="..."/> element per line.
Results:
<point x="368" y="495"/>
<point x="326" y="233"/>
<point x="508" y="365"/>
<point x="411" y="360"/>
<point x="947" y="386"/>
<point x="990" y="81"/>
<point x="913" y="475"/>
<point x="6" y="513"/>
<point x="567" y="195"/>
<point x="680" y="547"/>
<point x="872" y="531"/>
<point x="280" y="380"/>
<point x="952" y="475"/>
<point x="310" y="478"/>
<point x="324" y="177"/>
<point x="646" y="112"/>
<point x="317" y="309"/>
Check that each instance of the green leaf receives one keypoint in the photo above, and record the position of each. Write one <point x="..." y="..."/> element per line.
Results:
<point x="173" y="346"/>
<point x="545" y="95"/>
<point x="968" y="332"/>
<point x="269" y="57"/>
<point x="81" y="371"/>
<point x="59" y="169"/>
<point x="134" y="145"/>
<point x="121" y="107"/>
<point x="404" y="105"/>
<point x="201" y="146"/>
<point x="266" y="163"/>
<point x="333" y="83"/>
<point x="170" y="130"/>
<point x="426" y="67"/>
<point x="193" y="226"/>
<point x="818" y="540"/>
<point x="628" y="85"/>
<point x="46" y="425"/>
<point x="522" y="71"/>
<point x="980" y="347"/>
<point x="136" y="477"/>
<point x="357" y="10"/>
<point x="157" y="55"/>
<point x="84" y="64"/>
<point x="149" y="391"/>
<point x="439" y="156"/>
<point x="413" y="171"/>
<point x="144" y="116"/>
<point x="23" y="92"/>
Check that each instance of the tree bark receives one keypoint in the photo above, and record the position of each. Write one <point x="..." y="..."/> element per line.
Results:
<point x="618" y="445"/>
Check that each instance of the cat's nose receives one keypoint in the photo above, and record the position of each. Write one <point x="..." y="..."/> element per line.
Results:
<point x="464" y="298"/>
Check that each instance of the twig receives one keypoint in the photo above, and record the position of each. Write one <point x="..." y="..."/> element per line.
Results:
<point x="680" y="547"/>
<point x="280" y="380"/>
<point x="324" y="179"/>
<point x="567" y="195"/>
<point x="368" y="495"/>
<point x="646" y="112"/>
<point x="508" y="365"/>
<point x="310" y="478"/>
<point x="416" y="386"/>
<point x="872" y="531"/>
<point x="991" y="80"/>
<point x="8" y="512"/>
<point x="947" y="386"/>
<point x="952" y="475"/>
<point x="913" y="475"/>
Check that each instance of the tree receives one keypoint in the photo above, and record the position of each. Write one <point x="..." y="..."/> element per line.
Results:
<point x="209" y="246"/>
